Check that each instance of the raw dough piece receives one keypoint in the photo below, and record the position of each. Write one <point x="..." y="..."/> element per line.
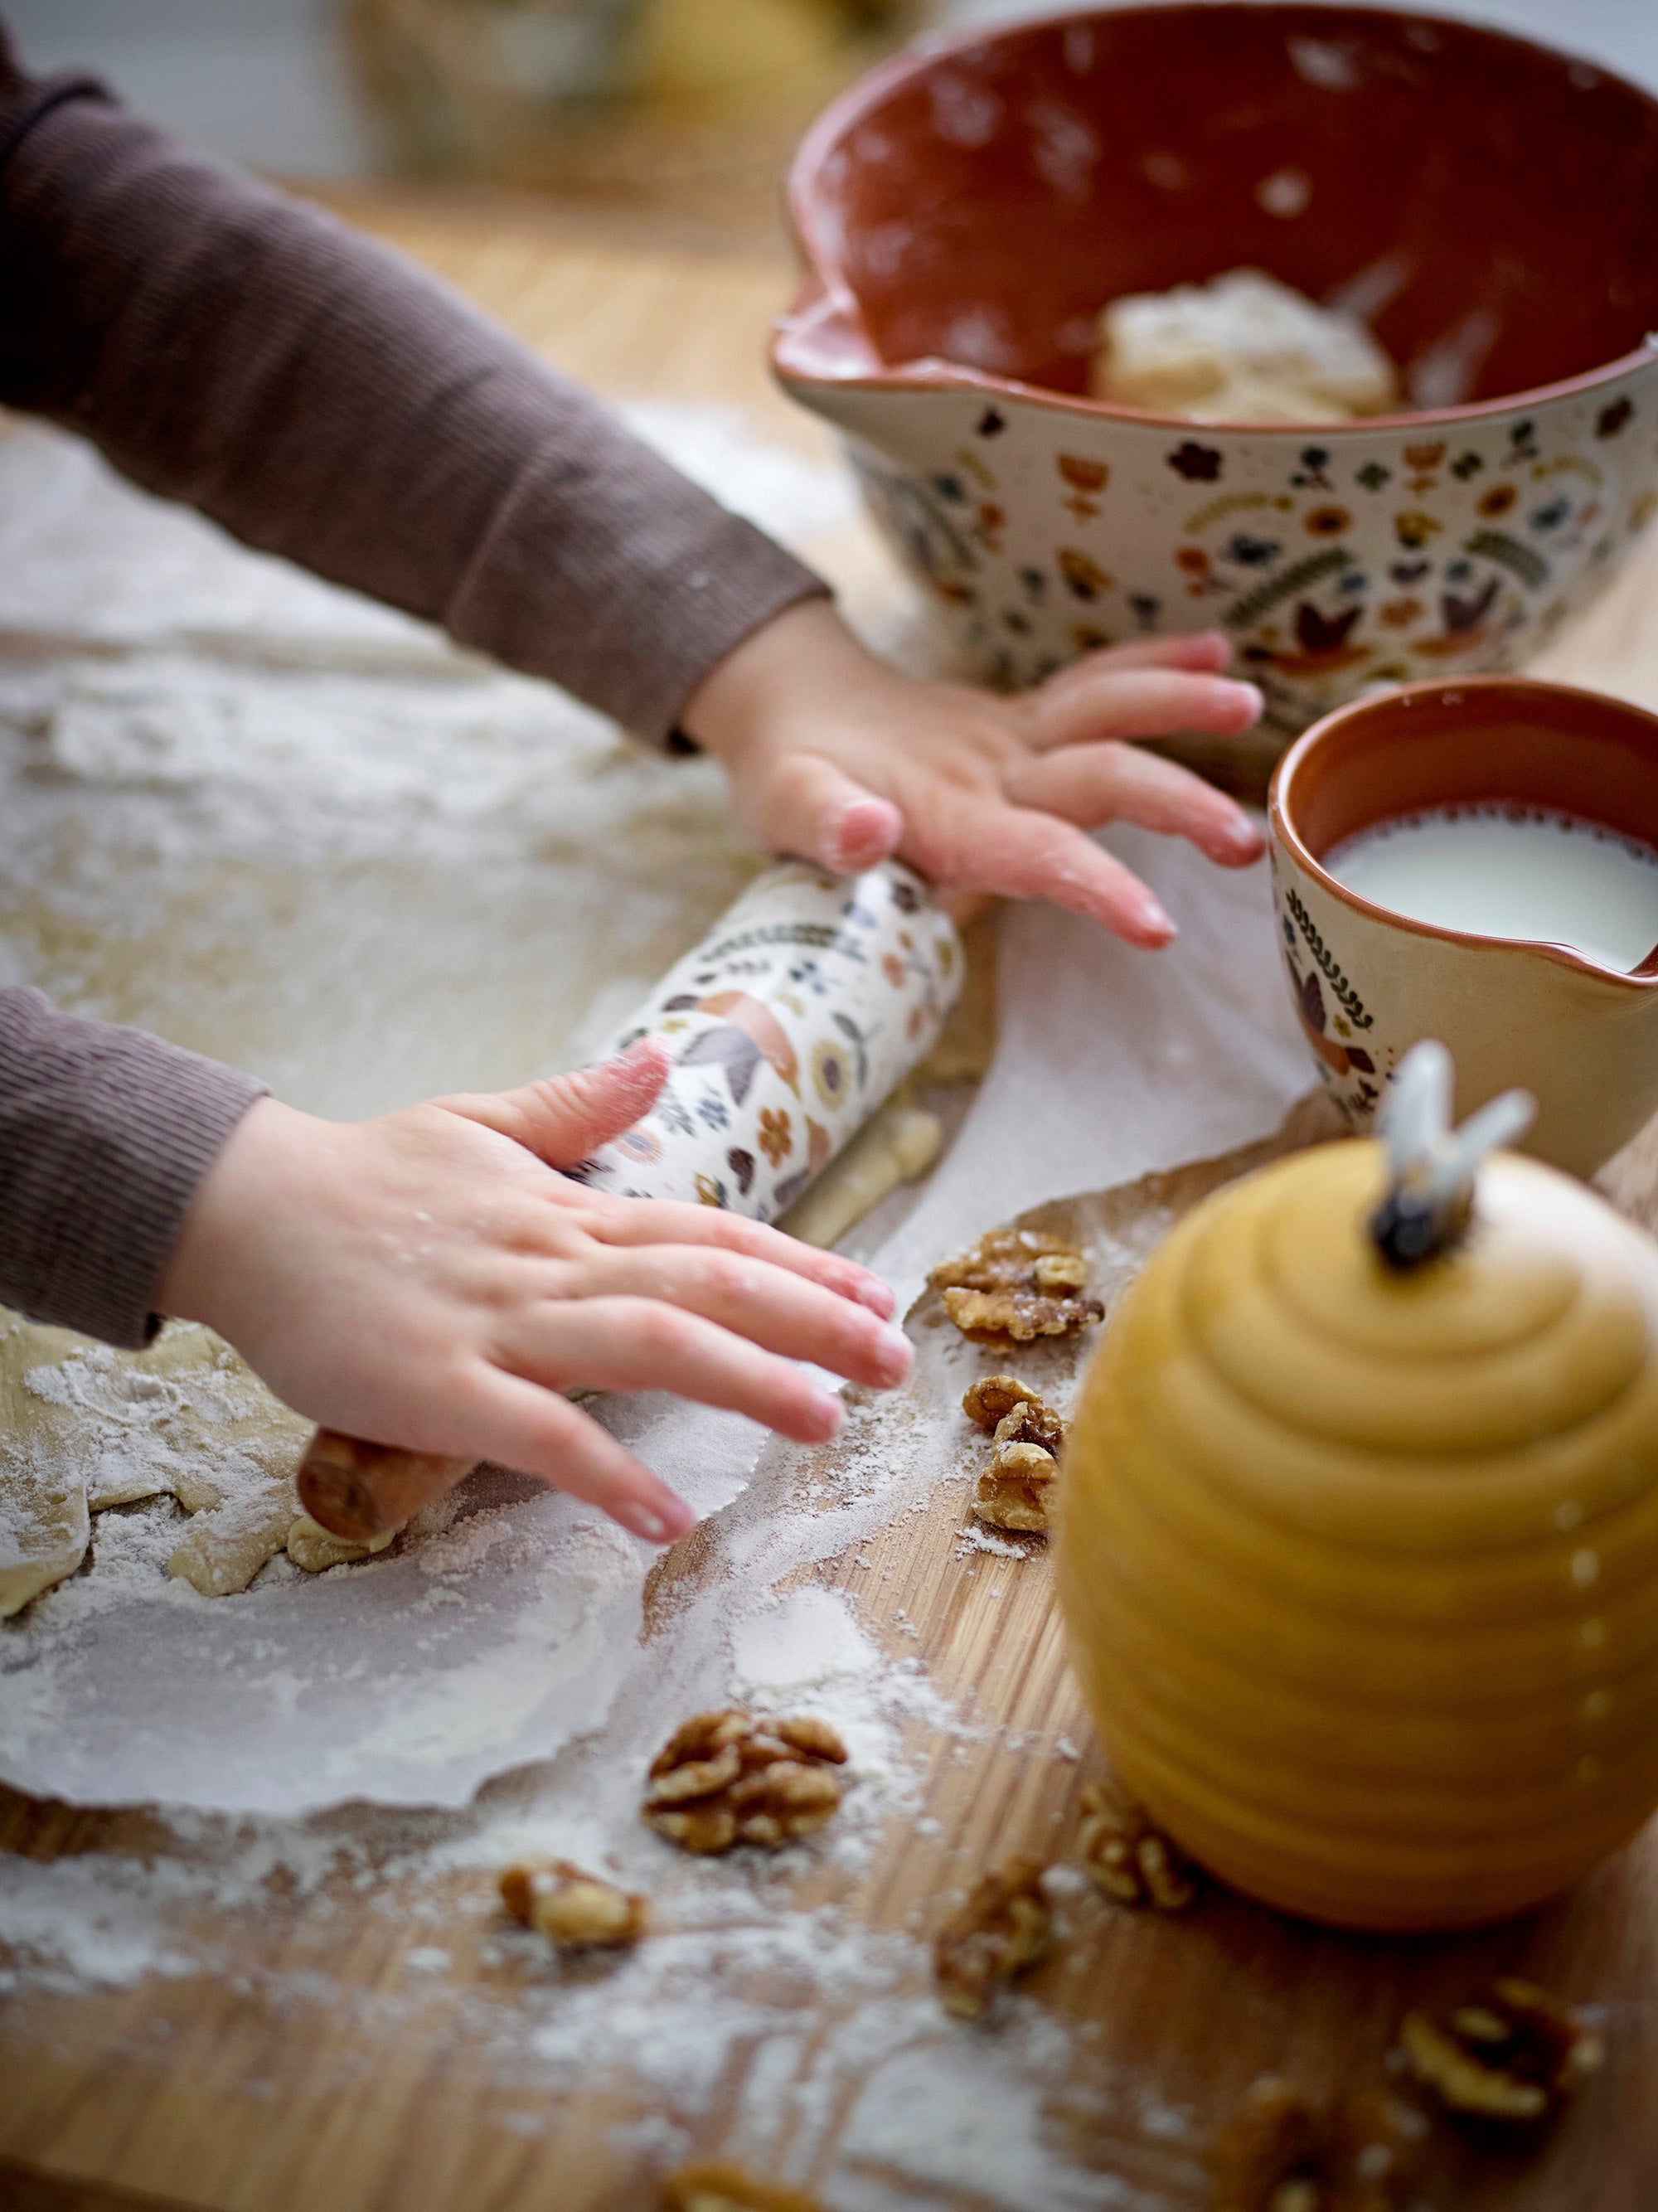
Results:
<point x="43" y="1487"/>
<point x="84" y="1427"/>
<point x="223" y="1549"/>
<point x="44" y="1530"/>
<point x="1242" y="348"/>
<point x="893" y="1148"/>
<point x="309" y="1545"/>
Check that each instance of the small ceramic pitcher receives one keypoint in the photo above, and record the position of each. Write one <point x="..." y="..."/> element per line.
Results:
<point x="1369" y="983"/>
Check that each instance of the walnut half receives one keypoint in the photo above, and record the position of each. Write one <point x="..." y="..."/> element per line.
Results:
<point x="1131" y="1860"/>
<point x="1281" y="2151"/>
<point x="714" y="2184"/>
<point x="1512" y="2055"/>
<point x="1017" y="1284"/>
<point x="726" y="1778"/>
<point x="1002" y="1928"/>
<point x="1014" y="1491"/>
<point x="580" y="1912"/>
<point x="994" y="1398"/>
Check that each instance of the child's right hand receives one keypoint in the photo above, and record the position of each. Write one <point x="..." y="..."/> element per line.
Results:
<point x="427" y="1279"/>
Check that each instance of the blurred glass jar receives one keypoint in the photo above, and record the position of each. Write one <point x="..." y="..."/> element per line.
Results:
<point x="466" y="84"/>
<point x="492" y="88"/>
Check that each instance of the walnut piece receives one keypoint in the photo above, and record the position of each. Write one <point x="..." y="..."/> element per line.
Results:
<point x="1015" y="1488"/>
<point x="995" y="1399"/>
<point x="715" y="2185"/>
<point x="1513" y="2056"/>
<point x="1131" y="1860"/>
<point x="1017" y="1284"/>
<point x="1002" y="1928"/>
<point x="727" y="1777"/>
<point x="580" y="1912"/>
<point x="1281" y="2151"/>
<point x="992" y="1398"/>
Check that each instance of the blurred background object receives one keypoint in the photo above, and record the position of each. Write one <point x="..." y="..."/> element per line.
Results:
<point x="690" y="104"/>
<point x="609" y="98"/>
<point x="683" y="110"/>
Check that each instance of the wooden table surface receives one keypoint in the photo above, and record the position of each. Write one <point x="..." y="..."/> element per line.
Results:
<point x="205" y="2092"/>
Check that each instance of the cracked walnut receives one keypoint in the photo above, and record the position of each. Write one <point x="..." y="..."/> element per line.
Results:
<point x="580" y="1912"/>
<point x="1513" y="2056"/>
<point x="1004" y="1928"/>
<point x="1014" y="1489"/>
<point x="1132" y="1860"/>
<point x="728" y="1777"/>
<point x="1281" y="2151"/>
<point x="1020" y="1283"/>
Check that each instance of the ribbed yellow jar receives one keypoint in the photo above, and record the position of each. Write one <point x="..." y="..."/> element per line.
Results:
<point x="1360" y="1568"/>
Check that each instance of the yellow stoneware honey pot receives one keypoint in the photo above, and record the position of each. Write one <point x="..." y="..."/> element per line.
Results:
<point x="1358" y="1544"/>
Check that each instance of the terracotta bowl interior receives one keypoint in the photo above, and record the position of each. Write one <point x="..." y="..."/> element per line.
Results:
<point x="1537" y="744"/>
<point x="1492" y="206"/>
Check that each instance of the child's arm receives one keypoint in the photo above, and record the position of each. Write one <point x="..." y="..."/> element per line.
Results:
<point x="323" y="398"/>
<point x="427" y="1279"/>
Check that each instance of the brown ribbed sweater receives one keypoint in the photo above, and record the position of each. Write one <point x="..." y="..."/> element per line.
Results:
<point x="322" y="399"/>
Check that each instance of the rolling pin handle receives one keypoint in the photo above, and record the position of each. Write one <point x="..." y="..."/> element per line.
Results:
<point x="358" y="1490"/>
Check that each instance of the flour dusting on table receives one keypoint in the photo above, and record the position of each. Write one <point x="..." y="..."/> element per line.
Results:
<point x="292" y="829"/>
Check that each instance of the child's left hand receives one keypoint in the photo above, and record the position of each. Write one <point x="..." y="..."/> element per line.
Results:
<point x="838" y="757"/>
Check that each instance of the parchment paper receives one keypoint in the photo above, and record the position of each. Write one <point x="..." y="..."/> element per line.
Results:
<point x="293" y="830"/>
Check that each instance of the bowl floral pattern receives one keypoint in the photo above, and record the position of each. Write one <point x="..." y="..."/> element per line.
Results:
<point x="1337" y="558"/>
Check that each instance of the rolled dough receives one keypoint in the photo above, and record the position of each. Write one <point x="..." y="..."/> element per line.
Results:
<point x="895" y="1147"/>
<point x="83" y="1428"/>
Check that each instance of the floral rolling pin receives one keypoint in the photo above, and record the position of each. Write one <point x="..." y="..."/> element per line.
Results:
<point x="807" y="1002"/>
<point x="790" y="1023"/>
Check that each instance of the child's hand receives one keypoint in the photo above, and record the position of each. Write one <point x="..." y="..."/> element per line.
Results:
<point x="428" y="1280"/>
<point x="837" y="758"/>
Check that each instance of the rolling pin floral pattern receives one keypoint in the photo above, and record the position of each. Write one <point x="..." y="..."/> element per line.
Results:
<point x="790" y="1023"/>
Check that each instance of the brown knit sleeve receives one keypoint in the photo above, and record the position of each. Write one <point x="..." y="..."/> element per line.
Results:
<point x="104" y="1134"/>
<point x="322" y="399"/>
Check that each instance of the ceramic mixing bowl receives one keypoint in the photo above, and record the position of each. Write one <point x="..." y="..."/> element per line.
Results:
<point x="1490" y="206"/>
<point x="1369" y="982"/>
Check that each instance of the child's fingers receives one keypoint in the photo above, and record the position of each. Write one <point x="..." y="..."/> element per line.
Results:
<point x="816" y="810"/>
<point x="562" y="1117"/>
<point x="661" y="1221"/>
<point x="1025" y="855"/>
<point x="771" y="1307"/>
<point x="1141" y="702"/>
<point x="536" y="1431"/>
<point x="1090" y="785"/>
<point x="1208" y="649"/>
<point x="641" y="1344"/>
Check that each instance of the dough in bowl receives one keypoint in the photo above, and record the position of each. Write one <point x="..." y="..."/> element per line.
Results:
<point x="1243" y="348"/>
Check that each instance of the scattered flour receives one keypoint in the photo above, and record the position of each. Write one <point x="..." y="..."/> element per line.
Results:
<point x="287" y="827"/>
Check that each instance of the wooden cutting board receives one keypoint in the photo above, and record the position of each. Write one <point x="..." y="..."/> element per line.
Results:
<point x="223" y="2092"/>
<point x="219" y="2092"/>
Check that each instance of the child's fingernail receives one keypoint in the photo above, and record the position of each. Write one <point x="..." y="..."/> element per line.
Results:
<point x="893" y="1355"/>
<point x="829" y="1415"/>
<point x="1248" y="696"/>
<point x="878" y="1296"/>
<point x="1241" y="834"/>
<point x="1155" y="922"/>
<point x="662" y="1528"/>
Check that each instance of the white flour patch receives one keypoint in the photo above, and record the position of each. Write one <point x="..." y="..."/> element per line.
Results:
<point x="806" y="1641"/>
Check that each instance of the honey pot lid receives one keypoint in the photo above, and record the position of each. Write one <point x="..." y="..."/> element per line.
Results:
<point x="1420" y="1295"/>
